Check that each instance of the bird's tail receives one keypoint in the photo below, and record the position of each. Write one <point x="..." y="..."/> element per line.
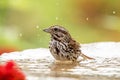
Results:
<point x="85" y="56"/>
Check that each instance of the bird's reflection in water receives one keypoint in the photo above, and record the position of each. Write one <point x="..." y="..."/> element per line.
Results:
<point x="71" y="66"/>
<point x="61" y="69"/>
<point x="63" y="66"/>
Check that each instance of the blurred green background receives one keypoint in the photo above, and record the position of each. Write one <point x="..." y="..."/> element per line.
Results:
<point x="22" y="21"/>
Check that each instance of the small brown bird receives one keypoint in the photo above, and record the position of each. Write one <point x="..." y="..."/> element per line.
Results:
<point x="62" y="46"/>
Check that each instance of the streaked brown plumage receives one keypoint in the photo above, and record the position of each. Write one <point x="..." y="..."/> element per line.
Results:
<point x="62" y="46"/>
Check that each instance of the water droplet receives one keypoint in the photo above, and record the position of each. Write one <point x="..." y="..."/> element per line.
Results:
<point x="20" y="34"/>
<point x="37" y="26"/>
<point x="57" y="4"/>
<point x="87" y="18"/>
<point x="114" y="12"/>
<point x="56" y="18"/>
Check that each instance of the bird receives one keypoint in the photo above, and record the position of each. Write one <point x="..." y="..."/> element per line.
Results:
<point x="62" y="46"/>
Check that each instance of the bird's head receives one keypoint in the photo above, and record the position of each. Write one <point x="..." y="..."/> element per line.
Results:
<point x="58" y="33"/>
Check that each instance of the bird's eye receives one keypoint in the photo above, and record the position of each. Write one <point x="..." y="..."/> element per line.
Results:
<point x="55" y="29"/>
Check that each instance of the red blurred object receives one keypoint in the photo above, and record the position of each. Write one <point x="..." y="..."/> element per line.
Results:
<point x="10" y="71"/>
<point x="7" y="49"/>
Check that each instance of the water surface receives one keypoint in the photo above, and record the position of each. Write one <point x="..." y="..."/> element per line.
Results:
<point x="38" y="64"/>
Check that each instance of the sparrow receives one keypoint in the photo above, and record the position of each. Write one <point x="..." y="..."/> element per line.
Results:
<point x="62" y="46"/>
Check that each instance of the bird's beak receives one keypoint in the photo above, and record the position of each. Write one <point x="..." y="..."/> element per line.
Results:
<point x="47" y="30"/>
